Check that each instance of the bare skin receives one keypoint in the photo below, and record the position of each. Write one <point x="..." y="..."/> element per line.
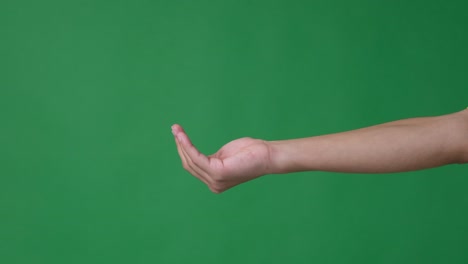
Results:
<point x="403" y="145"/>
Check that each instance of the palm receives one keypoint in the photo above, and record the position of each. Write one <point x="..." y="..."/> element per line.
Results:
<point x="241" y="159"/>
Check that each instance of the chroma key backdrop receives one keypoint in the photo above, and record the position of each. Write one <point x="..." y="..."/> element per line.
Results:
<point x="89" y="172"/>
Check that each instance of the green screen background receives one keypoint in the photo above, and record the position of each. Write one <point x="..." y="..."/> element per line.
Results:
<point x="89" y="172"/>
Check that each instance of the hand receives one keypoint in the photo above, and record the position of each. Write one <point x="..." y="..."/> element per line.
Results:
<point x="238" y="161"/>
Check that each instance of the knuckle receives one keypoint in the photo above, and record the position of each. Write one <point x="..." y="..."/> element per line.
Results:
<point x="185" y="165"/>
<point x="216" y="190"/>
<point x="218" y="177"/>
<point x="217" y="187"/>
<point x="190" y="163"/>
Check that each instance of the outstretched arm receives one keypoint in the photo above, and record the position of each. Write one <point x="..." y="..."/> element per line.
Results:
<point x="404" y="145"/>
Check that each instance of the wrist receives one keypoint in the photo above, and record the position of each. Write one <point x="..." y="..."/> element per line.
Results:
<point x="295" y="155"/>
<point x="279" y="157"/>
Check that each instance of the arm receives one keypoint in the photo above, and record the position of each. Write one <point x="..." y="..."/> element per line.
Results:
<point x="404" y="145"/>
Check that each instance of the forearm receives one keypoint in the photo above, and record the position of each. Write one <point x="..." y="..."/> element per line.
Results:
<point x="404" y="145"/>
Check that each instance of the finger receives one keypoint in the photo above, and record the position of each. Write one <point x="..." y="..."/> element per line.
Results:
<point x="196" y="160"/>
<point x="194" y="169"/>
<point x="187" y="162"/>
<point x="181" y="154"/>
<point x="194" y="155"/>
<point x="192" y="152"/>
